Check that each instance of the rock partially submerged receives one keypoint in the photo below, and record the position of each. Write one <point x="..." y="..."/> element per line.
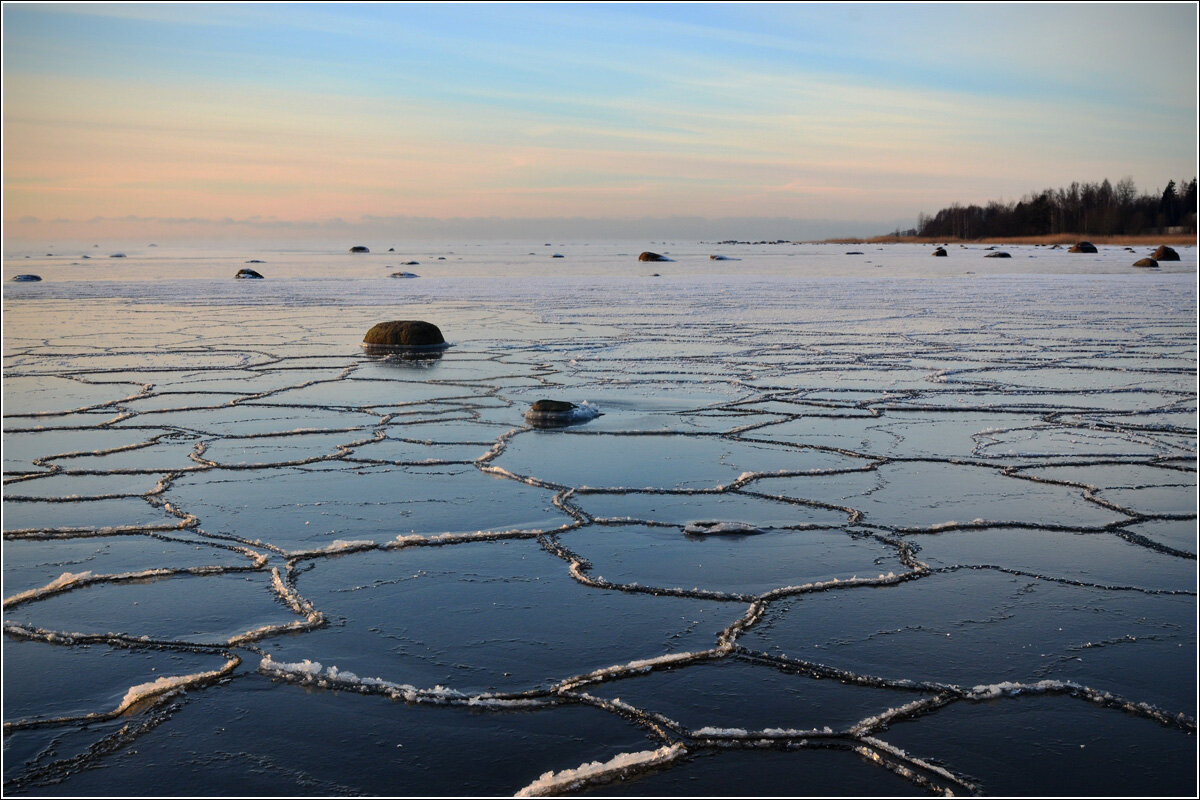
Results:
<point x="940" y="252"/>
<point x="358" y="248"/>
<point x="648" y="256"/>
<point x="1145" y="262"/>
<point x="559" y="413"/>
<point x="117" y="255"/>
<point x="998" y="254"/>
<point x="855" y="253"/>
<point x="713" y="528"/>
<point x="404" y="335"/>
<point x="26" y="278"/>
<point x="405" y="275"/>
<point x="247" y="273"/>
<point x="256" y="261"/>
<point x="1164" y="253"/>
<point x="723" y="258"/>
<point x="1083" y="247"/>
<point x="558" y="255"/>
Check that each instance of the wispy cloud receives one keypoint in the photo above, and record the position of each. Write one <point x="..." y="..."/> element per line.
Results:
<point x="314" y="112"/>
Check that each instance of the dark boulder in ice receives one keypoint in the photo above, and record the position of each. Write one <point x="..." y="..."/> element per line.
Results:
<point x="405" y="333"/>
<point x="117" y="255"/>
<point x="1164" y="253"/>
<point x="552" y="406"/>
<point x="855" y="253"/>
<point x="247" y="273"/>
<point x="358" y="248"/>
<point x="648" y="256"/>
<point x="941" y="252"/>
<point x="26" y="278"/>
<point x="998" y="254"/>
<point x="558" y="255"/>
<point x="411" y="263"/>
<point x="405" y="275"/>
<point x="558" y="413"/>
<point x="256" y="261"/>
<point x="1145" y="262"/>
<point x="1083" y="247"/>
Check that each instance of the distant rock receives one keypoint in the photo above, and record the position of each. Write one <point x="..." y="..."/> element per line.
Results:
<point x="26" y="278"/>
<point x="558" y="255"/>
<point x="411" y="263"/>
<point x="405" y="275"/>
<point x="998" y="254"/>
<point x="358" y="248"/>
<point x="85" y="255"/>
<point x="1130" y="249"/>
<point x="1145" y="262"/>
<point x="247" y="273"/>
<point x="941" y="252"/>
<point x="391" y="249"/>
<point x="559" y="413"/>
<point x="1057" y="247"/>
<point x="855" y="253"/>
<point x="255" y="261"/>
<point x="1083" y="247"/>
<point x="404" y="333"/>
<point x="441" y="258"/>
<point x="117" y="255"/>
<point x="648" y="256"/>
<point x="1164" y="253"/>
<point x="152" y="244"/>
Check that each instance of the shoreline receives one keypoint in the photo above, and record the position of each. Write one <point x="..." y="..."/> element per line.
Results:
<point x="1057" y="238"/>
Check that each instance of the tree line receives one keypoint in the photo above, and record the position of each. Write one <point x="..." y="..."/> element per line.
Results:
<point x="1099" y="209"/>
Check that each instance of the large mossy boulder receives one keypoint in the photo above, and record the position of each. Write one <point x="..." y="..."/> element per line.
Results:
<point x="1145" y="262"/>
<point x="405" y="333"/>
<point x="648" y="256"/>
<point x="1083" y="247"/>
<point x="1164" y="253"/>
<point x="553" y="407"/>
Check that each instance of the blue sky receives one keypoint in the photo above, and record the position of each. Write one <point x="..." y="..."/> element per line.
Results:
<point x="865" y="114"/>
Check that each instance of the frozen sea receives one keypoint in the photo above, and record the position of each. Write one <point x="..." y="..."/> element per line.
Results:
<point x="848" y="524"/>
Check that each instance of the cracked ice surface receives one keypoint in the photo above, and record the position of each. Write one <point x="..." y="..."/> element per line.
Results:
<point x="863" y="534"/>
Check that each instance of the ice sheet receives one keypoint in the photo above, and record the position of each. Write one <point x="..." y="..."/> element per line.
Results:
<point x="974" y="485"/>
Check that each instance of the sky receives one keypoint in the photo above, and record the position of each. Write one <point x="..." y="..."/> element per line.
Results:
<point x="732" y="120"/>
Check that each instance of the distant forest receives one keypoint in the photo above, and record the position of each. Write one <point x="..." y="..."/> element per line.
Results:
<point x="1099" y="209"/>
